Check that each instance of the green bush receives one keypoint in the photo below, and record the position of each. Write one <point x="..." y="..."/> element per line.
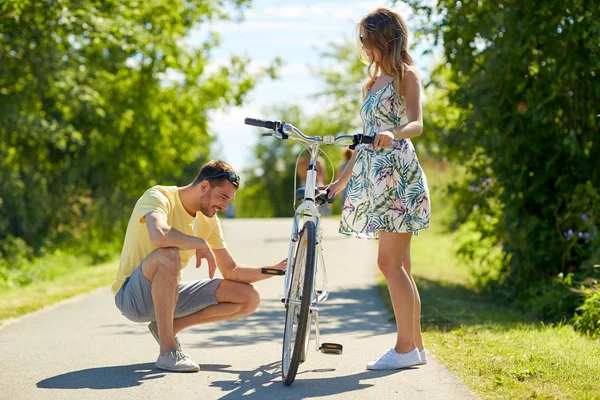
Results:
<point x="15" y="255"/>
<point x="521" y="81"/>
<point x="587" y="317"/>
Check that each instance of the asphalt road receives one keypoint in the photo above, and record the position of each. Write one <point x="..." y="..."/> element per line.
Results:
<point x="85" y="349"/>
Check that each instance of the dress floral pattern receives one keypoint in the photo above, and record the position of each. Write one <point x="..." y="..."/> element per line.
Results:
<point x="388" y="189"/>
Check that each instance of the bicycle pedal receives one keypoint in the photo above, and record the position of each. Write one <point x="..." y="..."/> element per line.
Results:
<point x="272" y="271"/>
<point x="331" y="348"/>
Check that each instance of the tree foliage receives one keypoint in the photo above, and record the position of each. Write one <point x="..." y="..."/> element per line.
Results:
<point x="99" y="100"/>
<point x="523" y="78"/>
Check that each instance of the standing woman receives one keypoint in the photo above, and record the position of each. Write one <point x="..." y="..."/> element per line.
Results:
<point x="387" y="194"/>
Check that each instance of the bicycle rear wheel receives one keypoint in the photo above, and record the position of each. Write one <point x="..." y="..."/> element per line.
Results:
<point x="298" y="305"/>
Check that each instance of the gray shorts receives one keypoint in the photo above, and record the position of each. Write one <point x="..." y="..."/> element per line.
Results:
<point x="134" y="299"/>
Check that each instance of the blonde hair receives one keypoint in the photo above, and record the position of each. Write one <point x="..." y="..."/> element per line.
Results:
<point x="386" y="36"/>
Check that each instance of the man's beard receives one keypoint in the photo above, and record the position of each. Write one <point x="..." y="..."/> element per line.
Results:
<point x="205" y="208"/>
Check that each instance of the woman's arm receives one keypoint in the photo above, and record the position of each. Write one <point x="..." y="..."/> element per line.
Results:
<point x="411" y="92"/>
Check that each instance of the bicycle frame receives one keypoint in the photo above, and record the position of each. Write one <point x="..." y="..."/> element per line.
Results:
<point x="308" y="210"/>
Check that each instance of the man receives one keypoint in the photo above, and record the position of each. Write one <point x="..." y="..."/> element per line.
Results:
<point x="303" y="167"/>
<point x="168" y="226"/>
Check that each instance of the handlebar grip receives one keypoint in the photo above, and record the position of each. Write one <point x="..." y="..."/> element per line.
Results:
<point x="367" y="139"/>
<point x="273" y="125"/>
<point x="361" y="139"/>
<point x="272" y="271"/>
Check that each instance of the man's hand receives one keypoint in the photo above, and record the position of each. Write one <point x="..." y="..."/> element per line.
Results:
<point x="206" y="252"/>
<point x="280" y="265"/>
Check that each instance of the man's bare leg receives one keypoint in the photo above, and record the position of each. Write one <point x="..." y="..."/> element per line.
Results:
<point x="235" y="299"/>
<point x="161" y="268"/>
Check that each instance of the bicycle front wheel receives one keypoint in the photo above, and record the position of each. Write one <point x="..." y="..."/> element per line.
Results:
<point x="298" y="303"/>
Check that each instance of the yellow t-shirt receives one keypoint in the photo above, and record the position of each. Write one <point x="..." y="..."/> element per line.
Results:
<point x="165" y="200"/>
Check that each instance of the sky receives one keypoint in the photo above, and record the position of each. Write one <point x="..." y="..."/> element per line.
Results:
<point x="295" y="31"/>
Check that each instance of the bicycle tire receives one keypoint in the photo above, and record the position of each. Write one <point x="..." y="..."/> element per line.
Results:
<point x="294" y="343"/>
<point x="304" y="348"/>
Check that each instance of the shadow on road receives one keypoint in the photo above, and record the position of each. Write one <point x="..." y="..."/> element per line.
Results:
<point x="116" y="377"/>
<point x="265" y="383"/>
<point x="356" y="311"/>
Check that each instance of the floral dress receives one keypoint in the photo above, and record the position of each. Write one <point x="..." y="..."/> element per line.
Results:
<point x="388" y="189"/>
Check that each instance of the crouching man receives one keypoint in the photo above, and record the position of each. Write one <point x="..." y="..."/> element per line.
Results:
<point x="168" y="226"/>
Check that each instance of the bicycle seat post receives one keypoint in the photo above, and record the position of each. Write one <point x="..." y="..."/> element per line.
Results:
<point x="311" y="173"/>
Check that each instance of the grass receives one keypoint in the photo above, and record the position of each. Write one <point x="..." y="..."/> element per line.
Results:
<point x="22" y="300"/>
<point x="497" y="351"/>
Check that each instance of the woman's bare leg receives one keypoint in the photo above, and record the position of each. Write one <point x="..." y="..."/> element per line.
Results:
<point x="392" y="248"/>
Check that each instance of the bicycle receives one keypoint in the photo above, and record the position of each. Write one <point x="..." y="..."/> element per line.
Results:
<point x="301" y="294"/>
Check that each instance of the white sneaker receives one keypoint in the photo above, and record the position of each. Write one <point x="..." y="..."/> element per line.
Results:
<point x="393" y="360"/>
<point x="423" y="355"/>
<point x="176" y="361"/>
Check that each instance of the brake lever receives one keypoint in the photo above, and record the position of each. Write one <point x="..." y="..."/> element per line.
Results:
<point x="277" y="135"/>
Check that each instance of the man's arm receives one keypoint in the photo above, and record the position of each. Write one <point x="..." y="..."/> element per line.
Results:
<point x="233" y="271"/>
<point x="163" y="235"/>
<point x="320" y="170"/>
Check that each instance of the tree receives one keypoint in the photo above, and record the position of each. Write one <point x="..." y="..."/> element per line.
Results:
<point x="523" y="77"/>
<point x="99" y="100"/>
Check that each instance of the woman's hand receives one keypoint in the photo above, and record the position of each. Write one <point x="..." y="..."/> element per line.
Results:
<point x="334" y="188"/>
<point x="383" y="140"/>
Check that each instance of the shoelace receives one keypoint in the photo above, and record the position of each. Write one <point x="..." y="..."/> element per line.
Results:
<point x="178" y="355"/>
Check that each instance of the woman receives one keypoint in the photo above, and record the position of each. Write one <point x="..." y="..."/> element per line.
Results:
<point x="387" y="193"/>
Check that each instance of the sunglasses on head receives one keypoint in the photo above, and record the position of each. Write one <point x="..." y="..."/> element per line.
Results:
<point x="231" y="176"/>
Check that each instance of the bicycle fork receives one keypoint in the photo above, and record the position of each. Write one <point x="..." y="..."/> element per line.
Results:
<point x="321" y="295"/>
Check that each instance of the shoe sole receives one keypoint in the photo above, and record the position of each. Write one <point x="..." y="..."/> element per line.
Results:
<point x="178" y="370"/>
<point x="392" y="368"/>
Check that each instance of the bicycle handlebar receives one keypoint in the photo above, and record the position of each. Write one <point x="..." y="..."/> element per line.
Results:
<point x="273" y="125"/>
<point x="284" y="130"/>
